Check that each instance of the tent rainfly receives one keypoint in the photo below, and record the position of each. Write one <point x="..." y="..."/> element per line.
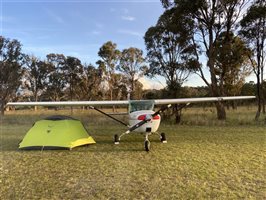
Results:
<point x="56" y="132"/>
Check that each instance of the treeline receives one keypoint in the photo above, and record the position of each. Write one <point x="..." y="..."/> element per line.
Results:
<point x="248" y="89"/>
<point x="207" y="38"/>
<point x="61" y="78"/>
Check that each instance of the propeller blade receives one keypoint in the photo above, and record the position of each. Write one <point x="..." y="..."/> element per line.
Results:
<point x="148" y="119"/>
<point x="161" y="110"/>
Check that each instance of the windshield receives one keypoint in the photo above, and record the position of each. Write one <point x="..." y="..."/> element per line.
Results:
<point x="141" y="105"/>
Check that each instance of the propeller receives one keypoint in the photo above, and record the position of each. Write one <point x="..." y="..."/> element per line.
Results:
<point x="144" y="121"/>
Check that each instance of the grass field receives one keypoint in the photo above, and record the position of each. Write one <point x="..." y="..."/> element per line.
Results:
<point x="203" y="159"/>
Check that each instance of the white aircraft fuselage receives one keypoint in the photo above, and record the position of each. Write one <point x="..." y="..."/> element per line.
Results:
<point x="151" y="126"/>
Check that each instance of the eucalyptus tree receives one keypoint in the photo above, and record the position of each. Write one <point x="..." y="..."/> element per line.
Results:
<point x="139" y="92"/>
<point x="72" y="70"/>
<point x="36" y="76"/>
<point x="132" y="66"/>
<point x="109" y="55"/>
<point x="249" y="89"/>
<point x="210" y="19"/>
<point x="170" y="50"/>
<point x="89" y="88"/>
<point x="231" y="63"/>
<point x="253" y="30"/>
<point x="11" y="70"/>
<point x="57" y="81"/>
<point x="120" y="90"/>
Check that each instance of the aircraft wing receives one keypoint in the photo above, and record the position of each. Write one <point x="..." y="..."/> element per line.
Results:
<point x="126" y="102"/>
<point x="69" y="103"/>
<point x="202" y="99"/>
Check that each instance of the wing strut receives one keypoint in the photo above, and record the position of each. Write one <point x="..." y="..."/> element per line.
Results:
<point x="100" y="111"/>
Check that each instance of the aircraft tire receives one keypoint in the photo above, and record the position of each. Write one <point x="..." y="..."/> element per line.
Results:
<point x="163" y="137"/>
<point x="147" y="145"/>
<point x="116" y="139"/>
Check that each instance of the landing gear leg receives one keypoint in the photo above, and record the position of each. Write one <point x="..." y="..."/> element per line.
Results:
<point x="147" y="143"/>
<point x="117" y="137"/>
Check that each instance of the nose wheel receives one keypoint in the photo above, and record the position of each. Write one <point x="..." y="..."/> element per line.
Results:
<point x="147" y="145"/>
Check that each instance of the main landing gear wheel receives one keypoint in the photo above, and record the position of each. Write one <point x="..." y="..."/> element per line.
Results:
<point x="147" y="145"/>
<point x="163" y="138"/>
<point x="116" y="139"/>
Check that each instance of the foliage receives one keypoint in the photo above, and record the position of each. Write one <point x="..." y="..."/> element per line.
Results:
<point x="231" y="63"/>
<point x="60" y="77"/>
<point x="132" y="66"/>
<point x="254" y="32"/>
<point x="169" y="49"/>
<point x="109" y="58"/>
<point x="209" y="20"/>
<point x="190" y="92"/>
<point x="72" y="71"/>
<point x="138" y="90"/>
<point x="152" y="94"/>
<point x="35" y="77"/>
<point x="120" y="90"/>
<point x="249" y="89"/>
<point x="89" y="88"/>
<point x="57" y="81"/>
<point x="11" y="70"/>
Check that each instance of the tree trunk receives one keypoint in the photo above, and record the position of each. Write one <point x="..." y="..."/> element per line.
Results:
<point x="177" y="112"/>
<point x="216" y="91"/>
<point x="178" y="117"/>
<point x="228" y="106"/>
<point x="2" y="107"/>
<point x="258" y="113"/>
<point x="259" y="98"/>
<point x="259" y="109"/>
<point x="262" y="98"/>
<point x="234" y="105"/>
<point x="221" y="114"/>
<point x="132" y="95"/>
<point x="263" y="106"/>
<point x="111" y="95"/>
<point x="36" y="99"/>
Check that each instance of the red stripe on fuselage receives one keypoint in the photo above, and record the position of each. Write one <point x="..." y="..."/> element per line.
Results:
<point x="143" y="117"/>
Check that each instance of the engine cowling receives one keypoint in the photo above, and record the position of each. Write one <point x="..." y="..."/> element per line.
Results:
<point x="151" y="126"/>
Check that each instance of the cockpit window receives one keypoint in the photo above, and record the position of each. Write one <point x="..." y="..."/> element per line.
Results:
<point x="141" y="105"/>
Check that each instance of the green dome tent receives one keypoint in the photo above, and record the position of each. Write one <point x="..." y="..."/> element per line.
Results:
<point x="56" y="132"/>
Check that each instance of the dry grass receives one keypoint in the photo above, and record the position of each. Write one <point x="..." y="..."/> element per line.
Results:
<point x="203" y="159"/>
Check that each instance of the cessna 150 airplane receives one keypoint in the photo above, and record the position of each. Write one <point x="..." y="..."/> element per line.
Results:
<point x="142" y="118"/>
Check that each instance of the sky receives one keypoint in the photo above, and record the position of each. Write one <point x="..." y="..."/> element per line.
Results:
<point x="79" y="28"/>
